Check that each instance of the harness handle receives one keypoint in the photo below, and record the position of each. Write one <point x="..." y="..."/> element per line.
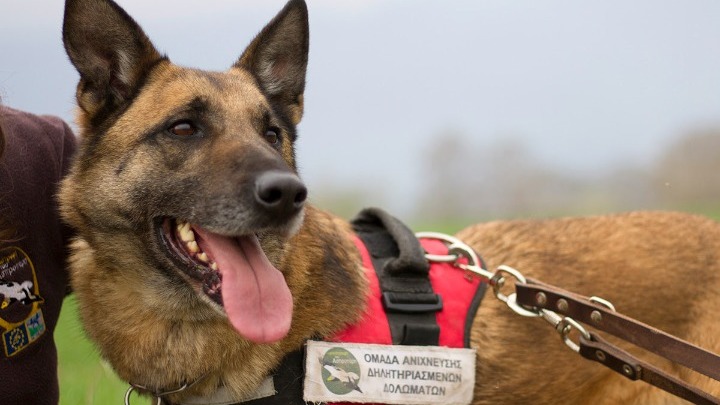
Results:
<point x="404" y="252"/>
<point x="398" y="259"/>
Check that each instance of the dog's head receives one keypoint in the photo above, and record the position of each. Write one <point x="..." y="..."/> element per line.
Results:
<point x="193" y="171"/>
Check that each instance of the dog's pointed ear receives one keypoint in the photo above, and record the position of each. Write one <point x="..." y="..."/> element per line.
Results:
<point x="109" y="50"/>
<point x="278" y="58"/>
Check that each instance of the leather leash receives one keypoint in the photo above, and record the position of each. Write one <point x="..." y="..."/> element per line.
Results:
<point x="599" y="350"/>
<point x="565" y="311"/>
<point x="540" y="296"/>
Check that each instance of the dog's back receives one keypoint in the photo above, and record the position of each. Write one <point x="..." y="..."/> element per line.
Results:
<point x="657" y="267"/>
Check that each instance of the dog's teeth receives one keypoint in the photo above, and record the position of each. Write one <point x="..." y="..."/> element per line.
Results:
<point x="213" y="266"/>
<point x="203" y="257"/>
<point x="186" y="234"/>
<point x="192" y="246"/>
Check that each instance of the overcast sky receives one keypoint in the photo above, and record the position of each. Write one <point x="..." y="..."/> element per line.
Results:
<point x="585" y="84"/>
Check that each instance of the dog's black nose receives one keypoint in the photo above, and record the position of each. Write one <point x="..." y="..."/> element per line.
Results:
<point x="280" y="193"/>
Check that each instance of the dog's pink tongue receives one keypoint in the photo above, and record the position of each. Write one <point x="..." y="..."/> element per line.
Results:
<point x="255" y="295"/>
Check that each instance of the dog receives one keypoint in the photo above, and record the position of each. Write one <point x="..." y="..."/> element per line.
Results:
<point x="198" y="258"/>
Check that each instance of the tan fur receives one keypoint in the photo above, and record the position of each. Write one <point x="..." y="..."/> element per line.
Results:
<point x="661" y="268"/>
<point x="658" y="267"/>
<point x="150" y="337"/>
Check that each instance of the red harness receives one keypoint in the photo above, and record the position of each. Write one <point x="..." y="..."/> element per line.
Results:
<point x="458" y="289"/>
<point x="461" y="293"/>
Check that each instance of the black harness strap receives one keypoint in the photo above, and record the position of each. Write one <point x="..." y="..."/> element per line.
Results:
<point x="399" y="261"/>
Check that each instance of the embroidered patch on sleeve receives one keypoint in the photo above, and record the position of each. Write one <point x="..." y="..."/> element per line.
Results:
<point x="21" y="319"/>
<point x="23" y="335"/>
<point x="365" y="373"/>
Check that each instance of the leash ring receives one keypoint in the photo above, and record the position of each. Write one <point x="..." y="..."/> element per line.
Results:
<point x="129" y="392"/>
<point x="498" y="280"/>
<point x="457" y="249"/>
<point x="520" y="310"/>
<point x="566" y="326"/>
<point x="157" y="395"/>
<point x="603" y="302"/>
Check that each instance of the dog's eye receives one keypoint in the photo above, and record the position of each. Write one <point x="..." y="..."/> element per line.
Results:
<point x="183" y="129"/>
<point x="272" y="136"/>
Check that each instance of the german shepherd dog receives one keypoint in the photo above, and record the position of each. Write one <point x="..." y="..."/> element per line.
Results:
<point x="198" y="258"/>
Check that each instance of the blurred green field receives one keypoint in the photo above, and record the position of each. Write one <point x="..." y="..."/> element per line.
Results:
<point x="85" y="380"/>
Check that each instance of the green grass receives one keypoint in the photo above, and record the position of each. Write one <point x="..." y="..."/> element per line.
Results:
<point x="84" y="378"/>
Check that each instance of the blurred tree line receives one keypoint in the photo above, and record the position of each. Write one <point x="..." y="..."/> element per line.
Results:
<point x="480" y="182"/>
<point x="461" y="182"/>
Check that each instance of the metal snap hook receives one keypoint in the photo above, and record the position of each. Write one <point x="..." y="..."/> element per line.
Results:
<point x="498" y="281"/>
<point x="565" y="326"/>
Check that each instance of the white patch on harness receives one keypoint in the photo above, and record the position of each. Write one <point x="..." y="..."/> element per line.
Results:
<point x="223" y="396"/>
<point x="367" y="373"/>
